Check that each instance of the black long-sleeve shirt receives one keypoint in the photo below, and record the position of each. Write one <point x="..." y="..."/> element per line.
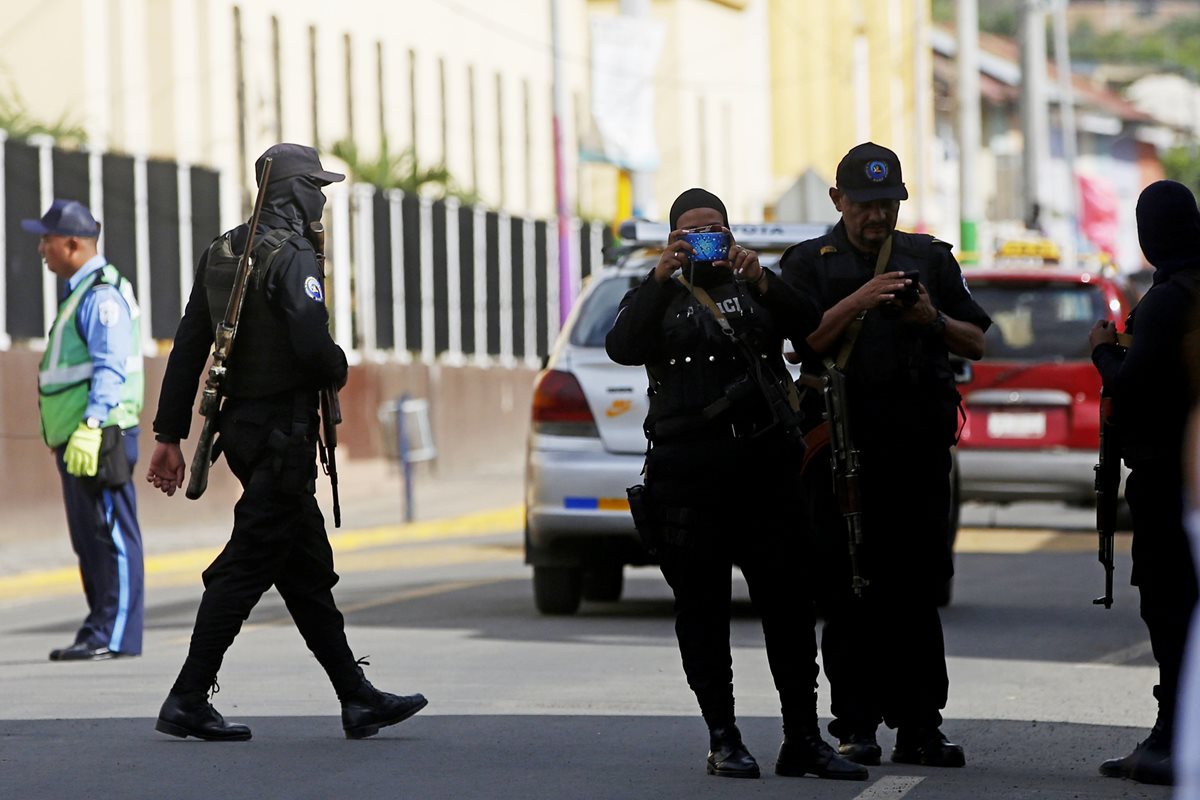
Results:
<point x="1150" y="383"/>
<point x="293" y="290"/>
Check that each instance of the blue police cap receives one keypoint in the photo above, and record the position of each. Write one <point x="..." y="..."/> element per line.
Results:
<point x="65" y="218"/>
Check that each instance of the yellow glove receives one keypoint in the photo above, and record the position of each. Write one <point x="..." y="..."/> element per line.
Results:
<point x="83" y="451"/>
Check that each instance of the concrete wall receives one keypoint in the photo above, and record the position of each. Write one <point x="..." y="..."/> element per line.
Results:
<point x="480" y="418"/>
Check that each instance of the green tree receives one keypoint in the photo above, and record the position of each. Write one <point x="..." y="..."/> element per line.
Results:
<point x="400" y="171"/>
<point x="18" y="123"/>
<point x="1181" y="164"/>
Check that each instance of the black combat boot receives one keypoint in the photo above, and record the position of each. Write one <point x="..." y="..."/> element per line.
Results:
<point x="1149" y="762"/>
<point x="928" y="747"/>
<point x="366" y="709"/>
<point x="809" y="754"/>
<point x="191" y="714"/>
<point x="861" y="747"/>
<point x="727" y="756"/>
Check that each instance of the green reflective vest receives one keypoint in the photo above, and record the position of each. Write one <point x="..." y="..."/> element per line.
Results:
<point x="65" y="374"/>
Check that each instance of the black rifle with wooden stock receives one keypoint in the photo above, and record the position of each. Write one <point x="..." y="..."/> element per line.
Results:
<point x="1108" y="485"/>
<point x="845" y="459"/>
<point x="331" y="407"/>
<point x="223" y="339"/>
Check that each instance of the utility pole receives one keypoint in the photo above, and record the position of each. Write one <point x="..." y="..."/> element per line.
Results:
<point x="922" y="91"/>
<point x="968" y="130"/>
<point x="1034" y="119"/>
<point x="636" y="189"/>
<point x="1066" y="117"/>
<point x="566" y="275"/>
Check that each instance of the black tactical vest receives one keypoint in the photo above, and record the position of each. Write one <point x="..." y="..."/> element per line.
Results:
<point x="701" y="365"/>
<point x="262" y="361"/>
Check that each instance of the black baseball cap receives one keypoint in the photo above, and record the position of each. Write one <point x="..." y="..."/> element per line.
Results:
<point x="293" y="160"/>
<point x="870" y="172"/>
<point x="65" y="218"/>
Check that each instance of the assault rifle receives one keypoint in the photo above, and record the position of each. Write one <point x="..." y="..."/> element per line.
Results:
<point x="1108" y="483"/>
<point x="331" y="407"/>
<point x="844" y="456"/>
<point x="223" y="338"/>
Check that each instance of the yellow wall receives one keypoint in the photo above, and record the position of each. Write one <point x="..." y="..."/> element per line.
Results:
<point x="814" y="102"/>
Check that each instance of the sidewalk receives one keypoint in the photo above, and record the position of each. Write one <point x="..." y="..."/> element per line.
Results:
<point x="372" y="497"/>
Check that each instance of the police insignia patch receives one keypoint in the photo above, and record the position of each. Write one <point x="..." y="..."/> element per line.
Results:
<point x="827" y="249"/>
<point x="109" y="313"/>
<point x="877" y="171"/>
<point x="312" y="288"/>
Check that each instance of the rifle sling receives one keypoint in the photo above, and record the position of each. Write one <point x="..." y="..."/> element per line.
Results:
<point x="793" y="397"/>
<point x="850" y="335"/>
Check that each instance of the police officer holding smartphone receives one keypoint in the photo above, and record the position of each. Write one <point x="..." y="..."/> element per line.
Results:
<point x="708" y="323"/>
<point x="895" y="305"/>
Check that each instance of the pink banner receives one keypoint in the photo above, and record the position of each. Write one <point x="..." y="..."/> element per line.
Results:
<point x="1098" y="213"/>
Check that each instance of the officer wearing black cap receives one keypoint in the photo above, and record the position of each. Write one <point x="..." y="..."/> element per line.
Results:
<point x="720" y="473"/>
<point x="90" y="392"/>
<point x="267" y="433"/>
<point x="894" y="305"/>
<point x="1149" y="386"/>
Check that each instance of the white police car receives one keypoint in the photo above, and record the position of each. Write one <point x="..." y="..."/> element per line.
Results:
<point x="586" y="444"/>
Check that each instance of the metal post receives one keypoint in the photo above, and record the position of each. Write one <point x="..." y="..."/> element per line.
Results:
<point x="1066" y="111"/>
<point x="403" y="450"/>
<point x="1033" y="107"/>
<point x="562" y="203"/>
<point x="968" y="129"/>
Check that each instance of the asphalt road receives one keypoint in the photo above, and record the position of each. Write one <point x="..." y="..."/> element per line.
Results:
<point x="1043" y="686"/>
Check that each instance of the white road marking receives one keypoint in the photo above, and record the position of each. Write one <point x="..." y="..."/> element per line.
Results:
<point x="891" y="787"/>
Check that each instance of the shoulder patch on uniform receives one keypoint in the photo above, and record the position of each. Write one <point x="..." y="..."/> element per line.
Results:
<point x="827" y="249"/>
<point x="108" y="312"/>
<point x="312" y="288"/>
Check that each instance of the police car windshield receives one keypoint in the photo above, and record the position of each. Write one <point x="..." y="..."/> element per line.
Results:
<point x="599" y="308"/>
<point x="1039" y="321"/>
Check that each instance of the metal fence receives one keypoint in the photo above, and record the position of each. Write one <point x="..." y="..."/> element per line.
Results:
<point x="408" y="277"/>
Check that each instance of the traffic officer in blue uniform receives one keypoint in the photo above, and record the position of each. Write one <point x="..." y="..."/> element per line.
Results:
<point x="90" y="391"/>
<point x="267" y="433"/>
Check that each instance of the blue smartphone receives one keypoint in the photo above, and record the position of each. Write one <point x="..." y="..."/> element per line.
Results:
<point x="708" y="245"/>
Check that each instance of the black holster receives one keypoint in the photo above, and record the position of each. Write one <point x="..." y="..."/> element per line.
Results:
<point x="114" y="468"/>
<point x="644" y="519"/>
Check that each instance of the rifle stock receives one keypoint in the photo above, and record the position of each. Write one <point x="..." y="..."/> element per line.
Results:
<point x="223" y="338"/>
<point x="331" y="407"/>
<point x="844" y="456"/>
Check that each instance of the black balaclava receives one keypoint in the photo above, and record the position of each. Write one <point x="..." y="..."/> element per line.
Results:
<point x="1168" y="223"/>
<point x="700" y="273"/>
<point x="295" y="202"/>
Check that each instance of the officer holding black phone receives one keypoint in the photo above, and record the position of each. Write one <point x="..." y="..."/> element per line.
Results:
<point x="721" y="471"/>
<point x="895" y="306"/>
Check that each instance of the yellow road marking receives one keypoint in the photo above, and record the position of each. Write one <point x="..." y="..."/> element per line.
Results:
<point x="1027" y="540"/>
<point x="170" y="569"/>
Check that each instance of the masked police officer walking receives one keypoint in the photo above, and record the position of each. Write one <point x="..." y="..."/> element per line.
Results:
<point x="889" y="322"/>
<point x="90" y="390"/>
<point x="1150" y="394"/>
<point x="721" y="470"/>
<point x="267" y="432"/>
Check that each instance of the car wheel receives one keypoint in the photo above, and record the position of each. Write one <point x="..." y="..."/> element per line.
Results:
<point x="557" y="590"/>
<point x="604" y="584"/>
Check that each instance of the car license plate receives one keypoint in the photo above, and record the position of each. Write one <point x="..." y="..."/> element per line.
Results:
<point x="1016" y="425"/>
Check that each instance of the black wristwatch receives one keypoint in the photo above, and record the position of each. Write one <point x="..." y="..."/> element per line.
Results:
<point x="938" y="326"/>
